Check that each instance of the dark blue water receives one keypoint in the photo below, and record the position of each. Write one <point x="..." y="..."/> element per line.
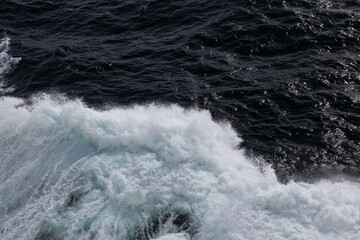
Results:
<point x="285" y="74"/>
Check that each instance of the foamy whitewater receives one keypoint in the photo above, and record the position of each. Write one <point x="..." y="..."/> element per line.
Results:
<point x="6" y="63"/>
<point x="150" y="172"/>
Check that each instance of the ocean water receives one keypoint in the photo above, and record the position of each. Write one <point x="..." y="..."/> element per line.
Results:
<point x="179" y="119"/>
<point x="6" y="64"/>
<point x="144" y="172"/>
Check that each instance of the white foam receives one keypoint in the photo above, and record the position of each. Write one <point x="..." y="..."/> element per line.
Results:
<point x="7" y="62"/>
<point x="174" y="236"/>
<point x="129" y="165"/>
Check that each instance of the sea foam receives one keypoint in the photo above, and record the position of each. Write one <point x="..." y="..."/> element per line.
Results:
<point x="150" y="172"/>
<point x="6" y="64"/>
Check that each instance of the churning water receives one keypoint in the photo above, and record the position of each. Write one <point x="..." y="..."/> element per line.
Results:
<point x="179" y="119"/>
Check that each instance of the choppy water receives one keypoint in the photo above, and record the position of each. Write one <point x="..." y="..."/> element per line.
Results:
<point x="93" y="147"/>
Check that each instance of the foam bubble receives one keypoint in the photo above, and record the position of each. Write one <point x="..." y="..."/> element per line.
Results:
<point x="150" y="172"/>
<point x="174" y="236"/>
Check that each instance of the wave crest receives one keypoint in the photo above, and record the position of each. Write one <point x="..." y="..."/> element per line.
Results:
<point x="70" y="172"/>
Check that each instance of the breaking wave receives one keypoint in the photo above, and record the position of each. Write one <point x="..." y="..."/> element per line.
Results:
<point x="150" y="172"/>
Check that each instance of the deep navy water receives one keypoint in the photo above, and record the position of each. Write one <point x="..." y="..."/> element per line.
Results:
<point x="102" y="99"/>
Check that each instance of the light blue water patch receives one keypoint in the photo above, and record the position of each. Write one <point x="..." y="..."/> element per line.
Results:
<point x="150" y="172"/>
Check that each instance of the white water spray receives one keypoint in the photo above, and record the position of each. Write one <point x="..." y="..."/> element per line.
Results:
<point x="70" y="172"/>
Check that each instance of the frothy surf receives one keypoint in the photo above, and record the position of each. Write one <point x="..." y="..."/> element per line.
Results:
<point x="7" y="62"/>
<point x="150" y="172"/>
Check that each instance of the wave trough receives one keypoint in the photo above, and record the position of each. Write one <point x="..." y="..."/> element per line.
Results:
<point x="150" y="172"/>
